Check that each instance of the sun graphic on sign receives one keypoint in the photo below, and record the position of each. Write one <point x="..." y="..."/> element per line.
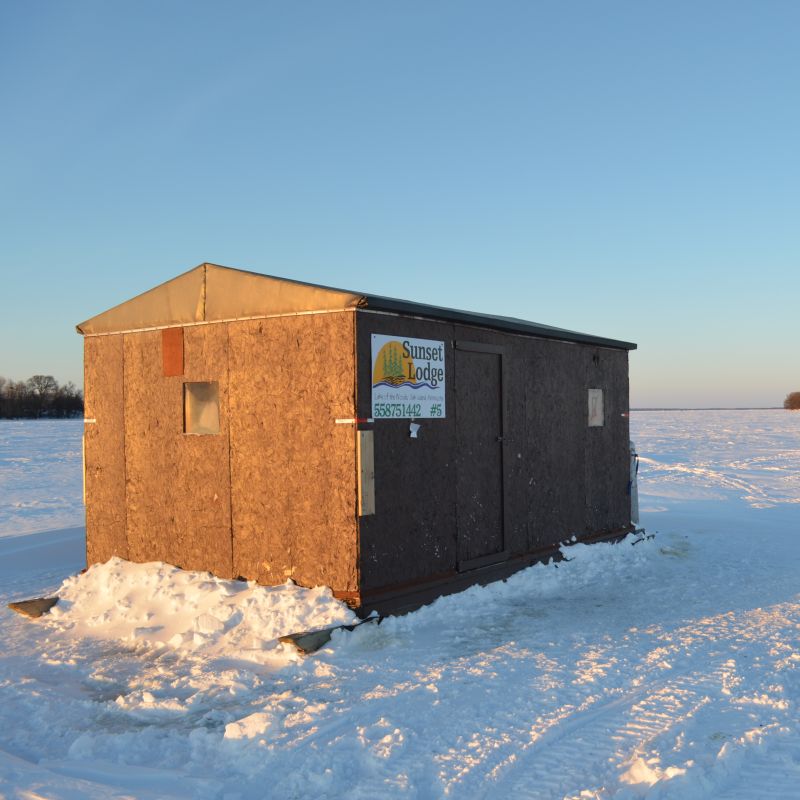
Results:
<point x="392" y="367"/>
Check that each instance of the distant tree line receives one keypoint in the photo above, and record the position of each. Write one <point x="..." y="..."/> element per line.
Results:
<point x="792" y="401"/>
<point x="39" y="396"/>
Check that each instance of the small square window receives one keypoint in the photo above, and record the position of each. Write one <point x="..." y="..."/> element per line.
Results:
<point x="201" y="407"/>
<point x="596" y="413"/>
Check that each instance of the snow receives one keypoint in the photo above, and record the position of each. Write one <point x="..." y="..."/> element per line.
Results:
<point x="668" y="669"/>
<point x="41" y="485"/>
<point x="159" y="605"/>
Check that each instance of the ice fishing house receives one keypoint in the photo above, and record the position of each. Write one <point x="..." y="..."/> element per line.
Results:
<point x="268" y="429"/>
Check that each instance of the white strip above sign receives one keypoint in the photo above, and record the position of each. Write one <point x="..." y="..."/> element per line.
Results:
<point x="408" y="378"/>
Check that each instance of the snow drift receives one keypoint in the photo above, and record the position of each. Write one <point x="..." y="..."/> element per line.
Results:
<point x="162" y="606"/>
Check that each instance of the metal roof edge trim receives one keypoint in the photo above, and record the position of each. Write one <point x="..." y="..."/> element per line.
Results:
<point x="388" y="304"/>
<point x="349" y="310"/>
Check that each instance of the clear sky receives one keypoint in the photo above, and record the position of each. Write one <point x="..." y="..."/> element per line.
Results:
<point x="628" y="169"/>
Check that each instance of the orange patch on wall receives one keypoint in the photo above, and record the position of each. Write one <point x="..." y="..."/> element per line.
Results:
<point x="172" y="351"/>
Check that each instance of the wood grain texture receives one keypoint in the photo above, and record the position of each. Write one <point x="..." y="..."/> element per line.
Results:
<point x="104" y="442"/>
<point x="293" y="470"/>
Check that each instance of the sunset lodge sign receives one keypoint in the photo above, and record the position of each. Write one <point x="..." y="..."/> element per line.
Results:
<point x="408" y="378"/>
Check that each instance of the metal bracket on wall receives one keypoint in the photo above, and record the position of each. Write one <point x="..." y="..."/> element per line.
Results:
<point x="366" y="473"/>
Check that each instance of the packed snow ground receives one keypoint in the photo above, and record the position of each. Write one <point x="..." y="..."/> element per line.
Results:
<point x="669" y="669"/>
<point x="41" y="487"/>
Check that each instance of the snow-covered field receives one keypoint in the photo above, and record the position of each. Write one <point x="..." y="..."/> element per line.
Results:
<point x="666" y="670"/>
<point x="41" y="487"/>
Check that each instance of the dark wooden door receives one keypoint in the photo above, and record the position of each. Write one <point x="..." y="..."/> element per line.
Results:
<point x="479" y="433"/>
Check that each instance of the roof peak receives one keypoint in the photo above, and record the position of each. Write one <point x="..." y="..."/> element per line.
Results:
<point x="215" y="292"/>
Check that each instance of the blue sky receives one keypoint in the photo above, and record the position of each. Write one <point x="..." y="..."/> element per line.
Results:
<point x="629" y="169"/>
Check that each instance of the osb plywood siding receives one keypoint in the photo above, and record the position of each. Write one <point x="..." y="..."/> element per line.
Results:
<point x="578" y="475"/>
<point x="413" y="535"/>
<point x="556" y="430"/>
<point x="515" y="457"/>
<point x="607" y="447"/>
<point x="178" y="485"/>
<point x="293" y="470"/>
<point x="559" y="477"/>
<point x="104" y="442"/>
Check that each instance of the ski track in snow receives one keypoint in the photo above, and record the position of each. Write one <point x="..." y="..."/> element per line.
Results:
<point x="664" y="670"/>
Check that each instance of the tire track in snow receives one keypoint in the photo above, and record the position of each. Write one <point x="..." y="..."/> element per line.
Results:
<point x="750" y="492"/>
<point x="649" y="733"/>
<point x="597" y="739"/>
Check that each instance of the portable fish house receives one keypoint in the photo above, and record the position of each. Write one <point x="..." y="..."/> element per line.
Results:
<point x="268" y="429"/>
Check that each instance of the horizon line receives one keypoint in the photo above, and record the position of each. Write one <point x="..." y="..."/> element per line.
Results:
<point x="711" y="408"/>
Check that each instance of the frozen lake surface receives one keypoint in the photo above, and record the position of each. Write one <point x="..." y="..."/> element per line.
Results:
<point x="666" y="670"/>
<point x="41" y="486"/>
